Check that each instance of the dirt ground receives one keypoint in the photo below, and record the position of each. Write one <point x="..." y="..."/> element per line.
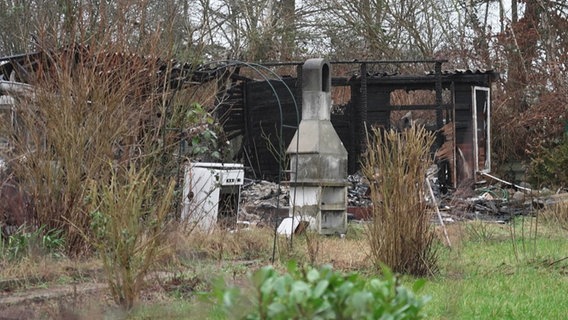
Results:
<point x="53" y="302"/>
<point x="82" y="301"/>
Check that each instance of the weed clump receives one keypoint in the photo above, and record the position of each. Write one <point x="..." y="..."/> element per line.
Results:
<point x="29" y="242"/>
<point x="400" y="234"/>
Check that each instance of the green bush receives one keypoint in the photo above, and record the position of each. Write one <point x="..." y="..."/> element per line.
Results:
<point x="321" y="294"/>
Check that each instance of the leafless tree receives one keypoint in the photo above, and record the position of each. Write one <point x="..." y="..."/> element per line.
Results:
<point x="256" y="30"/>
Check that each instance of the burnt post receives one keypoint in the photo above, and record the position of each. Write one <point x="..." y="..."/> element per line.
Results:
<point x="443" y="165"/>
<point x="363" y="108"/>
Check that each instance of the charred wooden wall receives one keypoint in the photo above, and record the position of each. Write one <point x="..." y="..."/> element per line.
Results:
<point x="271" y="120"/>
<point x="268" y="109"/>
<point x="464" y="130"/>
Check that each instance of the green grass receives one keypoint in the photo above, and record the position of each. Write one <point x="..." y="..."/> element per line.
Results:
<point x="486" y="275"/>
<point x="503" y="279"/>
<point x="177" y="310"/>
<point x="524" y="294"/>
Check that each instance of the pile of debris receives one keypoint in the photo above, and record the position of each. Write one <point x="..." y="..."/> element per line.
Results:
<point x="263" y="201"/>
<point x="358" y="192"/>
<point x="499" y="203"/>
<point x="489" y="204"/>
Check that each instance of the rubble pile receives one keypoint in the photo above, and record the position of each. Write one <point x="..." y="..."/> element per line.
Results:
<point x="264" y="194"/>
<point x="484" y="207"/>
<point x="498" y="203"/>
<point x="261" y="200"/>
<point x="358" y="193"/>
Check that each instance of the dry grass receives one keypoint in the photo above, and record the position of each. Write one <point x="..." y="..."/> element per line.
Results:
<point x="556" y="215"/>
<point x="455" y="232"/>
<point x="345" y="254"/>
<point x="46" y="268"/>
<point x="219" y="245"/>
<point x="400" y="234"/>
<point x="256" y="244"/>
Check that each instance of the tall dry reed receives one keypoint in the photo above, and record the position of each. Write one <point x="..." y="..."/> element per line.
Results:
<point x="400" y="234"/>
<point x="97" y="137"/>
<point x="88" y="107"/>
<point x="93" y="104"/>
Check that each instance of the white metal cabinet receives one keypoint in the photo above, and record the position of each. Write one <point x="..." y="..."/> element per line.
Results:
<point x="211" y="193"/>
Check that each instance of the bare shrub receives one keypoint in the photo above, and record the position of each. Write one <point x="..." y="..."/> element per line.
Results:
<point x="400" y="234"/>
<point x="478" y="230"/>
<point x="313" y="242"/>
<point x="129" y="221"/>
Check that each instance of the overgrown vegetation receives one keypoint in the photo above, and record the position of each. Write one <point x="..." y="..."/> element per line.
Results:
<point x="93" y="148"/>
<point x="550" y="165"/>
<point x="129" y="222"/>
<point x="487" y="274"/>
<point x="321" y="293"/>
<point x="95" y="145"/>
<point x="502" y="278"/>
<point x="400" y="234"/>
<point x="79" y="118"/>
<point x="477" y="279"/>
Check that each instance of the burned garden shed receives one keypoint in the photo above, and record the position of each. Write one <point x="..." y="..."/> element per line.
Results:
<point x="263" y="114"/>
<point x="259" y="111"/>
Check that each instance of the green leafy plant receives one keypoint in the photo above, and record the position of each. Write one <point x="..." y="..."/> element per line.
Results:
<point x="26" y="241"/>
<point x="18" y="243"/>
<point x="202" y="136"/>
<point x="321" y="293"/>
<point x="53" y="240"/>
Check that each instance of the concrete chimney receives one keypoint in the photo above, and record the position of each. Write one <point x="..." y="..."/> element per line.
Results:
<point x="318" y="159"/>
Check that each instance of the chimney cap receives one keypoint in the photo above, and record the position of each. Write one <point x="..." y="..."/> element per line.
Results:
<point x="316" y="75"/>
